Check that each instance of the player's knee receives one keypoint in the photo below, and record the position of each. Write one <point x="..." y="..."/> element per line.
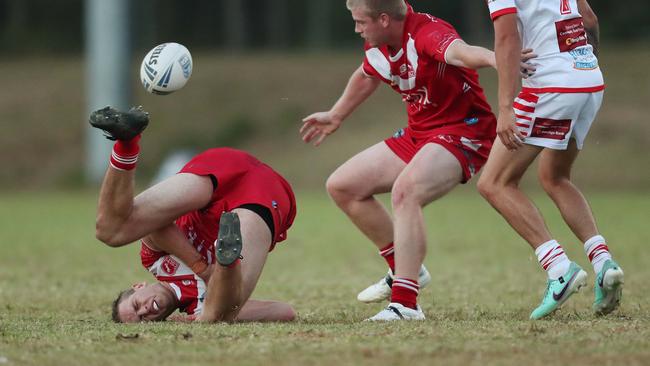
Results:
<point x="552" y="182"/>
<point x="338" y="188"/>
<point x="107" y="236"/>
<point x="486" y="188"/>
<point x="403" y="195"/>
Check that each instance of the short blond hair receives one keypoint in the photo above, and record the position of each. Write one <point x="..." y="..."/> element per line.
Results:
<point x="396" y="9"/>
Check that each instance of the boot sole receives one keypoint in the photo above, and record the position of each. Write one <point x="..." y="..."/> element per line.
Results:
<point x="229" y="242"/>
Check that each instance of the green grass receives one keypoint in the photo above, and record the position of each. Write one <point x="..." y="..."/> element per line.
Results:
<point x="57" y="281"/>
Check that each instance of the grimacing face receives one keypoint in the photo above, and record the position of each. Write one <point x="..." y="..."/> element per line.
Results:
<point x="370" y="29"/>
<point x="149" y="302"/>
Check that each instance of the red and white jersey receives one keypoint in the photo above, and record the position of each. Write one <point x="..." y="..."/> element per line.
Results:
<point x="437" y="94"/>
<point x="188" y="288"/>
<point x="555" y="32"/>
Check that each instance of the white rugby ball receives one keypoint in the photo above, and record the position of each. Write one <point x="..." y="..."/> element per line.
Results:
<point x="166" y="68"/>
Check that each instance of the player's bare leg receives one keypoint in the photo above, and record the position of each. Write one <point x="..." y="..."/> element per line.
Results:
<point x="122" y="219"/>
<point x="499" y="184"/>
<point x="555" y="176"/>
<point x="353" y="186"/>
<point x="431" y="174"/>
<point x="231" y="286"/>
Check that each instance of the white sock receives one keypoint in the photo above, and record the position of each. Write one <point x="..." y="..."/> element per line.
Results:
<point x="597" y="252"/>
<point x="552" y="259"/>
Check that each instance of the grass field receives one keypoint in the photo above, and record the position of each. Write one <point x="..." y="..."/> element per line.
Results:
<point x="57" y="281"/>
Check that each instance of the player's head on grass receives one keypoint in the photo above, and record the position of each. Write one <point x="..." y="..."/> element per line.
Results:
<point x="379" y="22"/>
<point x="144" y="302"/>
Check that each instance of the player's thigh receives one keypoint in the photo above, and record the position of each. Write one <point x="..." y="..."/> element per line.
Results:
<point x="505" y="166"/>
<point x="256" y="240"/>
<point x="432" y="173"/>
<point x="557" y="164"/>
<point x="371" y="171"/>
<point x="163" y="203"/>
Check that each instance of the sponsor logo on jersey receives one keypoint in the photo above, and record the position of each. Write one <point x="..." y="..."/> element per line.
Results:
<point x="471" y="121"/>
<point x="570" y="34"/>
<point x="169" y="265"/>
<point x="584" y="58"/>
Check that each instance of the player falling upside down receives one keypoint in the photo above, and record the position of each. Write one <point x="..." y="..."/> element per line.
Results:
<point x="214" y="222"/>
<point x="550" y="117"/>
<point x="448" y="138"/>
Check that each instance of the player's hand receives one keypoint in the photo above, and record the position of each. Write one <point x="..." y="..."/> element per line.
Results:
<point x="507" y="130"/>
<point x="318" y="126"/>
<point x="527" y="68"/>
<point x="207" y="273"/>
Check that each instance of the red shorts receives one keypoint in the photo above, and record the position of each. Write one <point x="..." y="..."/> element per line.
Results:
<point x="471" y="152"/>
<point x="241" y="180"/>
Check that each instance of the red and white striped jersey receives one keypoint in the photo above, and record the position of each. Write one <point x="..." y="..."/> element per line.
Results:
<point x="555" y="32"/>
<point x="436" y="94"/>
<point x="188" y="288"/>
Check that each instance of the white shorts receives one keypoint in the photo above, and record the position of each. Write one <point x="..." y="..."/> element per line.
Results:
<point x="551" y="119"/>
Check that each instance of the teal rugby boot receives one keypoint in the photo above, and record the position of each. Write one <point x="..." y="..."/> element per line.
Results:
<point x="608" y="288"/>
<point x="558" y="291"/>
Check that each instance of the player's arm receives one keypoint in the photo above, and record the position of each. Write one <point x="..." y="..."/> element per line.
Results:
<point x="462" y="54"/>
<point x="590" y="21"/>
<point x="266" y="311"/>
<point x="316" y="127"/>
<point x="172" y="240"/>
<point x="507" y="47"/>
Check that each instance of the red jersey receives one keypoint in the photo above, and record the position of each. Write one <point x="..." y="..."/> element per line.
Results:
<point x="241" y="179"/>
<point x="438" y="95"/>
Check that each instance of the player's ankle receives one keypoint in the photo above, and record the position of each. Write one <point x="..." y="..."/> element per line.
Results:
<point x="125" y="154"/>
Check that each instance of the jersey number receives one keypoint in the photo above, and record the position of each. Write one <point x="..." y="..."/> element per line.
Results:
<point x="565" y="7"/>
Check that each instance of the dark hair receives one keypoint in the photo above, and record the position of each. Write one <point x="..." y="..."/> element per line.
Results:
<point x="116" y="304"/>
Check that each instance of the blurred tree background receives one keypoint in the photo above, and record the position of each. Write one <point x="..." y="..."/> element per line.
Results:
<point x="260" y="66"/>
<point x="43" y="26"/>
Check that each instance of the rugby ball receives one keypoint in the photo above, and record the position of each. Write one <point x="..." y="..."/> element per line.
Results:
<point x="166" y="68"/>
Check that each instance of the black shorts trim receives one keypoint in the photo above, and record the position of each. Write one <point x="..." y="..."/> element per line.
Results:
<point x="264" y="213"/>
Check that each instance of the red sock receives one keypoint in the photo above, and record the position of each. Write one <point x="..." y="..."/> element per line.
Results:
<point x="125" y="154"/>
<point x="388" y="252"/>
<point x="405" y="292"/>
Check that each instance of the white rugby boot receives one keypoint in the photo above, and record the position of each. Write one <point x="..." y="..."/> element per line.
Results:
<point x="381" y="290"/>
<point x="396" y="311"/>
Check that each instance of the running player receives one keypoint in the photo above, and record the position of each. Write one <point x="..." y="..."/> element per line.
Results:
<point x="550" y="117"/>
<point x="222" y="206"/>
<point x="447" y="140"/>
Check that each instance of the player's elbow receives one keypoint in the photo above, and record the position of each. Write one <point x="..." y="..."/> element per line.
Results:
<point x="288" y="315"/>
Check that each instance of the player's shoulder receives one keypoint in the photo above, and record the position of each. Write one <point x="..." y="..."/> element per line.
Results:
<point x="433" y="34"/>
<point x="431" y="29"/>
